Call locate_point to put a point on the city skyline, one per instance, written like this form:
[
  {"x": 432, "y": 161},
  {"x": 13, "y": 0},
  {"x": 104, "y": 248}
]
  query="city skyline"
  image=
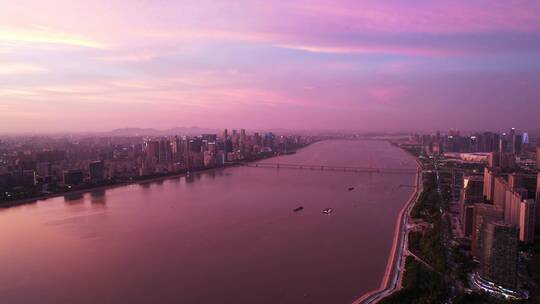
[{"x": 360, "y": 66}]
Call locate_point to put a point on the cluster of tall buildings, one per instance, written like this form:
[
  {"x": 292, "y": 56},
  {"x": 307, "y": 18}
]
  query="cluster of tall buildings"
[
  {"x": 511, "y": 142},
  {"x": 494, "y": 177},
  {"x": 29, "y": 166},
  {"x": 505, "y": 214},
  {"x": 500, "y": 208},
  {"x": 162, "y": 155}
]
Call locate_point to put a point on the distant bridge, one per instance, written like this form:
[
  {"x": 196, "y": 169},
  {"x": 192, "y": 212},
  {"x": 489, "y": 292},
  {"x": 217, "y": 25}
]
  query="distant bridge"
[{"x": 331, "y": 168}]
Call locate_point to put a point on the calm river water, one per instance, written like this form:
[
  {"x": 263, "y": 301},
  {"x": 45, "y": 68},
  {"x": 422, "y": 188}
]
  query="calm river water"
[{"x": 224, "y": 236}]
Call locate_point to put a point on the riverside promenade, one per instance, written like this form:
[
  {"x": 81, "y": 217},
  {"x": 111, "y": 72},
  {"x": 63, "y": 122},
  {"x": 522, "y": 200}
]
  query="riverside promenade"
[{"x": 396, "y": 261}]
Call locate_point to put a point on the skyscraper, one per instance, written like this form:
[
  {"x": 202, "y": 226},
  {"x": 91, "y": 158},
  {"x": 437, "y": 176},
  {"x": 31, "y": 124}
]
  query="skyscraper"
[
  {"x": 515, "y": 181},
  {"x": 489, "y": 183},
  {"x": 176, "y": 147},
  {"x": 242, "y": 139},
  {"x": 513, "y": 205},
  {"x": 499, "y": 193},
  {"x": 513, "y": 141},
  {"x": 472, "y": 193},
  {"x": 225, "y": 135},
  {"x": 494, "y": 160},
  {"x": 518, "y": 144},
  {"x": 152, "y": 150},
  {"x": 224, "y": 139},
  {"x": 73, "y": 177},
  {"x": 527, "y": 221},
  {"x": 503, "y": 144},
  {"x": 538, "y": 157},
  {"x": 482, "y": 214},
  {"x": 538, "y": 198},
  {"x": 97, "y": 171},
  {"x": 498, "y": 258}
]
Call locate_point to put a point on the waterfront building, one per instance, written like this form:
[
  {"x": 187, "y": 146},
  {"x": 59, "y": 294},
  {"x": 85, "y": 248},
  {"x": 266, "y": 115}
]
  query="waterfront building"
[
  {"x": 152, "y": 150},
  {"x": 73, "y": 177},
  {"x": 25, "y": 178},
  {"x": 235, "y": 138},
  {"x": 209, "y": 159},
  {"x": 242, "y": 139},
  {"x": 499, "y": 254},
  {"x": 165, "y": 152},
  {"x": 211, "y": 147},
  {"x": 209, "y": 137},
  {"x": 220, "y": 157},
  {"x": 44, "y": 168},
  {"x": 176, "y": 149},
  {"x": 96, "y": 170},
  {"x": 257, "y": 139},
  {"x": 225, "y": 135},
  {"x": 19, "y": 178}
]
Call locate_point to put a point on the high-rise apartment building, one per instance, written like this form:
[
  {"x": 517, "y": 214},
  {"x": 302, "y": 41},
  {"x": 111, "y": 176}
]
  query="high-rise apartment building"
[
  {"x": 482, "y": 214},
  {"x": 96, "y": 170},
  {"x": 472, "y": 193},
  {"x": 152, "y": 150},
  {"x": 527, "y": 220},
  {"x": 489, "y": 183},
  {"x": 538, "y": 198},
  {"x": 513, "y": 204},
  {"x": 499, "y": 255},
  {"x": 538, "y": 157},
  {"x": 499, "y": 192}
]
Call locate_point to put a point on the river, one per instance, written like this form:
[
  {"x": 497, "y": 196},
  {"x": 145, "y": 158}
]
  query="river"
[{"x": 221, "y": 236}]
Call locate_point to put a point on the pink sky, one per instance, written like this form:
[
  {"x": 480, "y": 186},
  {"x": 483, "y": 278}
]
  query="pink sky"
[{"x": 320, "y": 64}]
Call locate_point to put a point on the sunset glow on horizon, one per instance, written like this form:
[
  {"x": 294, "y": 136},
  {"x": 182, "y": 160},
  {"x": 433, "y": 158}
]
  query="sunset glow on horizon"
[{"x": 320, "y": 64}]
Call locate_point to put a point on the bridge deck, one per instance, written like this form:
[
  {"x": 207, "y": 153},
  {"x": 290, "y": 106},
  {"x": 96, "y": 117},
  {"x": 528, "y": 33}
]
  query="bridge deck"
[{"x": 331, "y": 168}]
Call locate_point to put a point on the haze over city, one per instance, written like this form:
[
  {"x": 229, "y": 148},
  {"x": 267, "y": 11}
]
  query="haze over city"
[{"x": 332, "y": 65}]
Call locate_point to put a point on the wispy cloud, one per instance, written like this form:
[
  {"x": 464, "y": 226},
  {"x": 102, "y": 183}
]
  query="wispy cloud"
[
  {"x": 381, "y": 49},
  {"x": 211, "y": 60},
  {"x": 41, "y": 35},
  {"x": 14, "y": 68}
]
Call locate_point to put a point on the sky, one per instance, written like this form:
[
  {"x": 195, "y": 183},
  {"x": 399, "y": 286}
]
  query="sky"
[{"x": 320, "y": 64}]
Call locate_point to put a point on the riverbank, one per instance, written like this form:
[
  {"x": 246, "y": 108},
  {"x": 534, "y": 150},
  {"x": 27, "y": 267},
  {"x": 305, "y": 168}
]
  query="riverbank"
[
  {"x": 150, "y": 179},
  {"x": 393, "y": 275},
  {"x": 105, "y": 187}
]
